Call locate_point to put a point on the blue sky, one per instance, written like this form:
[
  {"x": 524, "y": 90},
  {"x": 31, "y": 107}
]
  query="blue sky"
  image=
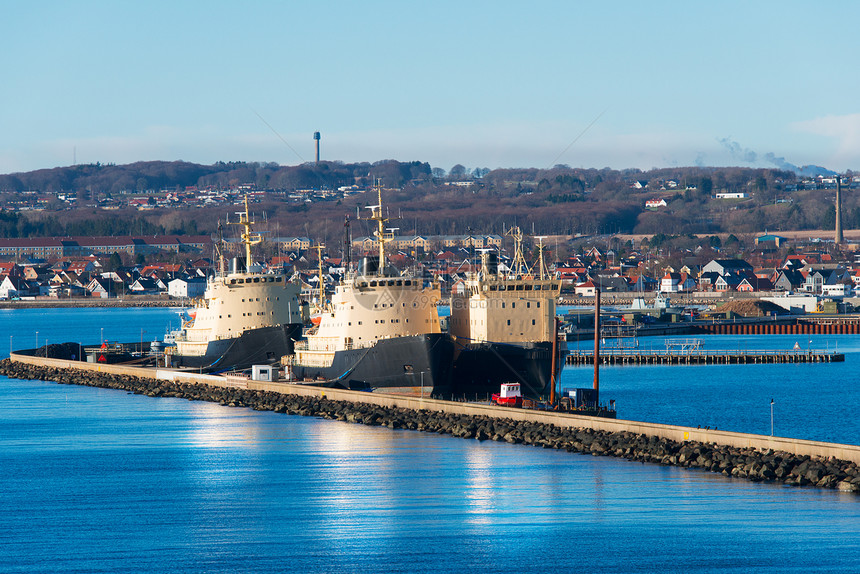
[{"x": 483, "y": 84}]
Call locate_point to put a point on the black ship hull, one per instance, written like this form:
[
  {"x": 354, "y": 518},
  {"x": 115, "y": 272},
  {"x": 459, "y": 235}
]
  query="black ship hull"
[
  {"x": 417, "y": 365},
  {"x": 480, "y": 369},
  {"x": 255, "y": 347}
]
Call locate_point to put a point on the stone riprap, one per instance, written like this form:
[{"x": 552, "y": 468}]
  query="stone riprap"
[{"x": 748, "y": 463}]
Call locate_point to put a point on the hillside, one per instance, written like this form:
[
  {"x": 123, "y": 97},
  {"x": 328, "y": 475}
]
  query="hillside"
[{"x": 559, "y": 200}]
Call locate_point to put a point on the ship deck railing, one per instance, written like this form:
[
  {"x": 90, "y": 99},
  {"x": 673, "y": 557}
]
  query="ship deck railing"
[{"x": 328, "y": 344}]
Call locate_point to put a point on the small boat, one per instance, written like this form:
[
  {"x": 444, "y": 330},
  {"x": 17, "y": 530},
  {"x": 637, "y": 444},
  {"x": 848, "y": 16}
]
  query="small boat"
[{"x": 509, "y": 395}]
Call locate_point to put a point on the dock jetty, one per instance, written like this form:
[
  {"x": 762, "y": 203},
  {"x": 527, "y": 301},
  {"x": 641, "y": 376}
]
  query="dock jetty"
[
  {"x": 700, "y": 357},
  {"x": 793, "y": 462}
]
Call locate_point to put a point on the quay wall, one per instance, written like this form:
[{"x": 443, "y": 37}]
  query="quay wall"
[{"x": 675, "y": 433}]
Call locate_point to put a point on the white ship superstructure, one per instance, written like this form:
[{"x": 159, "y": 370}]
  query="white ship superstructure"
[
  {"x": 245, "y": 317},
  {"x": 503, "y": 326},
  {"x": 380, "y": 330},
  {"x": 368, "y": 307}
]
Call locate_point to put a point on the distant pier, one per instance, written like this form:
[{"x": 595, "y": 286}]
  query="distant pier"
[
  {"x": 804, "y": 326},
  {"x": 701, "y": 357},
  {"x": 848, "y": 325}
]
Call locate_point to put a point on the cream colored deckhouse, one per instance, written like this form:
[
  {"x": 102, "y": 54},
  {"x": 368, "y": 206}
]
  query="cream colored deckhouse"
[
  {"x": 504, "y": 310},
  {"x": 380, "y": 331},
  {"x": 368, "y": 307},
  {"x": 246, "y": 316},
  {"x": 504, "y": 329},
  {"x": 238, "y": 303}
]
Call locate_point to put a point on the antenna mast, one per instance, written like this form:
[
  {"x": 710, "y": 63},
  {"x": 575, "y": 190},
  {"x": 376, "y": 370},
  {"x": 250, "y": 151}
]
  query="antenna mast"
[
  {"x": 519, "y": 265},
  {"x": 347, "y": 243},
  {"x": 321, "y": 302},
  {"x": 542, "y": 270},
  {"x": 219, "y": 249},
  {"x": 249, "y": 237},
  {"x": 381, "y": 220}
]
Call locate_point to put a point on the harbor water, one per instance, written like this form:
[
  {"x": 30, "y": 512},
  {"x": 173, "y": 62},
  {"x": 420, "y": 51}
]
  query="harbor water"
[{"x": 97, "y": 480}]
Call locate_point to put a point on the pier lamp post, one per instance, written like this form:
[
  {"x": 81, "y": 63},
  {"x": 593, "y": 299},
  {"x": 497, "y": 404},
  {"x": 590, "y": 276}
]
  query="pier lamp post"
[
  {"x": 102, "y": 341},
  {"x": 37, "y": 339},
  {"x": 10, "y": 345},
  {"x": 771, "y": 417}
]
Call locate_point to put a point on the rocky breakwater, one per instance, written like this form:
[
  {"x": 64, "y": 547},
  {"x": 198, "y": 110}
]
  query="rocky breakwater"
[{"x": 746, "y": 463}]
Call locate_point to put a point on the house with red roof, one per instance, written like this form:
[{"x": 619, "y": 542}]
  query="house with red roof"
[{"x": 586, "y": 289}]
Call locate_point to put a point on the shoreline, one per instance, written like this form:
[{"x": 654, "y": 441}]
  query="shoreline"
[{"x": 126, "y": 302}]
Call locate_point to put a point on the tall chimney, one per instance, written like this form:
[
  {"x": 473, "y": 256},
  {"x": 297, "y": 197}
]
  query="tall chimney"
[
  {"x": 317, "y": 139},
  {"x": 839, "y": 238},
  {"x": 596, "y": 345}
]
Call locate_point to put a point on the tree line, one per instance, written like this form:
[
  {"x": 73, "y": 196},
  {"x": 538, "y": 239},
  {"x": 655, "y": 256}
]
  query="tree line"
[{"x": 558, "y": 200}]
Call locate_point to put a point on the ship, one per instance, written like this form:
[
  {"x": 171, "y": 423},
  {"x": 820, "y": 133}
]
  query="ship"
[
  {"x": 379, "y": 332},
  {"x": 247, "y": 316},
  {"x": 504, "y": 329}
]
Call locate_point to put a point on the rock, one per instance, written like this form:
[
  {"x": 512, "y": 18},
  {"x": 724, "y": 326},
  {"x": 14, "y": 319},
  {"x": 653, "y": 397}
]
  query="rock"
[{"x": 846, "y": 486}]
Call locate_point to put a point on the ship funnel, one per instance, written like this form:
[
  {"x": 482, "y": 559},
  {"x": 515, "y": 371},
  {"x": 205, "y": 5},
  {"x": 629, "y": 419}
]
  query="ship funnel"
[
  {"x": 492, "y": 264},
  {"x": 368, "y": 266},
  {"x": 237, "y": 265}
]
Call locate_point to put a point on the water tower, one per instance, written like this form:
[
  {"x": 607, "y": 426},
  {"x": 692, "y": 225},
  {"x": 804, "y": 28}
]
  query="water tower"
[{"x": 317, "y": 140}]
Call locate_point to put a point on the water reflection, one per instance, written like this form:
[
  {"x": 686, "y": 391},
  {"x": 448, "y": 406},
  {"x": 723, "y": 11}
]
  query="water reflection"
[{"x": 482, "y": 492}]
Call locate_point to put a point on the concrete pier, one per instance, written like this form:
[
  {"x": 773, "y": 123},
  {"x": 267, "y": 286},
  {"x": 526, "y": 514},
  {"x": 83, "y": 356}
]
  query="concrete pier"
[{"x": 675, "y": 433}]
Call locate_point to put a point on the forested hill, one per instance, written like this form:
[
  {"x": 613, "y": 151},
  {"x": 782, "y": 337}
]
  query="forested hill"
[
  {"x": 559, "y": 200},
  {"x": 177, "y": 175}
]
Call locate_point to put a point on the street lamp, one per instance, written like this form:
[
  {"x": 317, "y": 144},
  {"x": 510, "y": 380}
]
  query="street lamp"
[
  {"x": 37, "y": 339},
  {"x": 771, "y": 417}
]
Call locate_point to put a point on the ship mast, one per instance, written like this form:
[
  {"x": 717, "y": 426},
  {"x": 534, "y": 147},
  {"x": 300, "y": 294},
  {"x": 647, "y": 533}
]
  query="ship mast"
[
  {"x": 542, "y": 270},
  {"x": 519, "y": 266},
  {"x": 249, "y": 237},
  {"x": 219, "y": 249},
  {"x": 321, "y": 301},
  {"x": 381, "y": 220}
]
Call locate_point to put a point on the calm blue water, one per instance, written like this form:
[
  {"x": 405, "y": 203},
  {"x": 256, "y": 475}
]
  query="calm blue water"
[
  {"x": 811, "y": 401},
  {"x": 94, "y": 480}
]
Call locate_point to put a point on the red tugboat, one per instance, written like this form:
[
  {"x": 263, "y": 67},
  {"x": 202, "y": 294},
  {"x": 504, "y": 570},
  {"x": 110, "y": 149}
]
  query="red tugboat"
[{"x": 509, "y": 395}]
